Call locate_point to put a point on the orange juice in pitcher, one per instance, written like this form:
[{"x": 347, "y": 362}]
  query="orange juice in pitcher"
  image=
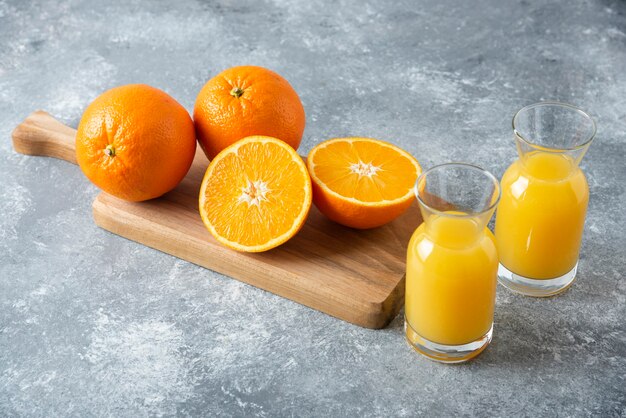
[
  {"x": 540, "y": 219},
  {"x": 452, "y": 264}
]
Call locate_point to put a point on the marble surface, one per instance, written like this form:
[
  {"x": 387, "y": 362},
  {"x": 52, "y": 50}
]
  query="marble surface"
[{"x": 93, "y": 324}]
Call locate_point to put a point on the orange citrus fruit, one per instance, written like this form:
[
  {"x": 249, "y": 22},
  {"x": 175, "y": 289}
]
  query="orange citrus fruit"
[
  {"x": 362, "y": 182},
  {"x": 255, "y": 195},
  {"x": 135, "y": 142},
  {"x": 244, "y": 101}
]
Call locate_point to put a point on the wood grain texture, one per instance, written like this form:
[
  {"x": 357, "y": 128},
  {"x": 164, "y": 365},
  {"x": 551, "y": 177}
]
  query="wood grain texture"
[
  {"x": 357, "y": 276},
  {"x": 41, "y": 134}
]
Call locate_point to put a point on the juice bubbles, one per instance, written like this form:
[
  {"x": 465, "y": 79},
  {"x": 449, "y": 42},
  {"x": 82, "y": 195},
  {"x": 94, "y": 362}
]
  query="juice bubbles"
[
  {"x": 540, "y": 220},
  {"x": 452, "y": 264},
  {"x": 451, "y": 276},
  {"x": 539, "y": 224}
]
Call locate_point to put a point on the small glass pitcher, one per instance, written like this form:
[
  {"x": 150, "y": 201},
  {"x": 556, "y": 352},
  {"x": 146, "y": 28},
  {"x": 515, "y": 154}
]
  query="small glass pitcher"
[
  {"x": 452, "y": 264},
  {"x": 540, "y": 219}
]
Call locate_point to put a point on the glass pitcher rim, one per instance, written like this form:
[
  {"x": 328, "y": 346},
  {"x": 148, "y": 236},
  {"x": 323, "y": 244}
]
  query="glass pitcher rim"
[
  {"x": 555, "y": 103},
  {"x": 464, "y": 165}
]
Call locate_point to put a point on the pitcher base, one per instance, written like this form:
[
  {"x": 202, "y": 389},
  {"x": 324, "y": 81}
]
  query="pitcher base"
[
  {"x": 446, "y": 353},
  {"x": 539, "y": 288}
]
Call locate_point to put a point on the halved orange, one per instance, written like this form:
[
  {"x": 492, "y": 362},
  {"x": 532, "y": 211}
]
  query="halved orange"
[
  {"x": 255, "y": 195},
  {"x": 362, "y": 182}
]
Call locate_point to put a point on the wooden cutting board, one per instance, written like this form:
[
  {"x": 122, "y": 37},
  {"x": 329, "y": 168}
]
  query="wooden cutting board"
[{"x": 357, "y": 276}]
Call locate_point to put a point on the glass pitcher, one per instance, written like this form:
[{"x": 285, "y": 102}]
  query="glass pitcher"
[
  {"x": 452, "y": 264},
  {"x": 539, "y": 224}
]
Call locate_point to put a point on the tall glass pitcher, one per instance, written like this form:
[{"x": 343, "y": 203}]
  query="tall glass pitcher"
[
  {"x": 539, "y": 223},
  {"x": 452, "y": 264}
]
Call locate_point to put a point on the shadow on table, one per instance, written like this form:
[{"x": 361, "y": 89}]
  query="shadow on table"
[{"x": 521, "y": 337}]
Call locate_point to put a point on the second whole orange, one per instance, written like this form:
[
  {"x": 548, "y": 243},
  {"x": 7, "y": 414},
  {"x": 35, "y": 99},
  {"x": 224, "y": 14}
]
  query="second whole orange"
[{"x": 244, "y": 101}]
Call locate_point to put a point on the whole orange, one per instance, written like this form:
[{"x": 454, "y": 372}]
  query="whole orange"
[
  {"x": 245, "y": 101},
  {"x": 135, "y": 142}
]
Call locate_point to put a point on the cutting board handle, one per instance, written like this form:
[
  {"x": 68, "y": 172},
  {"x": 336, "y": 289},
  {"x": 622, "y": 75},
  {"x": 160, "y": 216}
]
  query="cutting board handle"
[{"x": 41, "y": 134}]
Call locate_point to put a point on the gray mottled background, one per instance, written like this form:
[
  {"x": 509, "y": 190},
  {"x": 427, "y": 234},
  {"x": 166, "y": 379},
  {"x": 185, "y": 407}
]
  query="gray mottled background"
[{"x": 92, "y": 324}]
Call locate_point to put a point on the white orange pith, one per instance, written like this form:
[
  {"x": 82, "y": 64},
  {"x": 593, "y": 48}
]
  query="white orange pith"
[
  {"x": 255, "y": 194},
  {"x": 362, "y": 182}
]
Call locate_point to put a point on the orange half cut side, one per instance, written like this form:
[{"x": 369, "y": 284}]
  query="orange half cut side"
[
  {"x": 255, "y": 195},
  {"x": 362, "y": 182}
]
